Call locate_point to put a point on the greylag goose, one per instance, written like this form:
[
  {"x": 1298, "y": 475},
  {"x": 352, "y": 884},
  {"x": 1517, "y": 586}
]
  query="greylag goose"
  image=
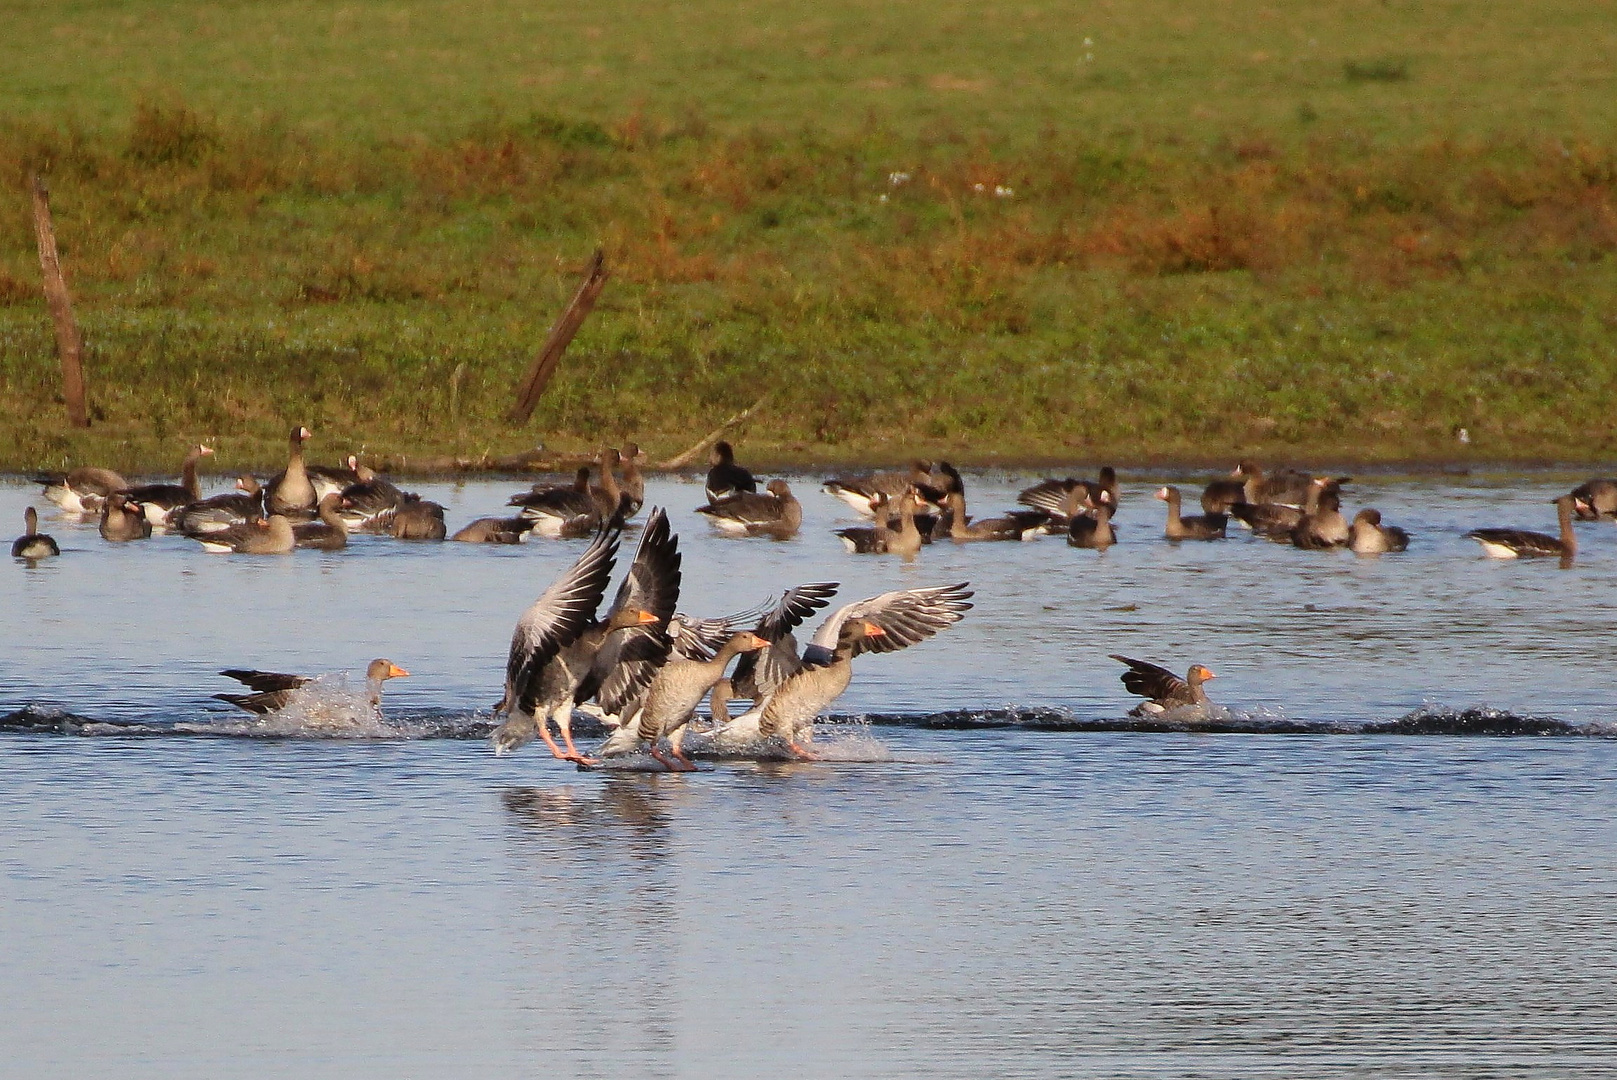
[
  {"x": 758, "y": 674},
  {"x": 82, "y": 491},
  {"x": 882, "y": 538},
  {"x": 1595, "y": 500},
  {"x": 1514, "y": 543},
  {"x": 1166, "y": 692},
  {"x": 493, "y": 530},
  {"x": 416, "y": 519},
  {"x": 160, "y": 501},
  {"x": 290, "y": 491},
  {"x": 776, "y": 512},
  {"x": 670, "y": 701},
  {"x": 1324, "y": 527},
  {"x": 222, "y": 511},
  {"x": 633, "y": 483},
  {"x": 726, "y": 478},
  {"x": 272, "y": 536},
  {"x": 1204, "y": 527},
  {"x": 1367, "y": 536},
  {"x": 560, "y": 510},
  {"x": 1065, "y": 499},
  {"x": 273, "y": 691},
  {"x": 330, "y": 533},
  {"x": 860, "y": 492},
  {"x": 1094, "y": 530},
  {"x": 556, "y": 657},
  {"x": 122, "y": 519},
  {"x": 884, "y": 623},
  {"x": 33, "y": 544}
]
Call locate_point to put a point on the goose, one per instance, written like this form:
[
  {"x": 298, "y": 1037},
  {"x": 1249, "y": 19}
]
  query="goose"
[
  {"x": 160, "y": 501},
  {"x": 608, "y": 494},
  {"x": 1065, "y": 499},
  {"x": 633, "y": 483},
  {"x": 493, "y": 530},
  {"x": 758, "y": 674},
  {"x": 560, "y": 510},
  {"x": 273, "y": 691},
  {"x": 776, "y": 512},
  {"x": 1367, "y": 536},
  {"x": 1325, "y": 527},
  {"x": 670, "y": 701},
  {"x": 1595, "y": 500},
  {"x": 33, "y": 544},
  {"x": 882, "y": 538},
  {"x": 726, "y": 478},
  {"x": 1222, "y": 496},
  {"x": 1277, "y": 520},
  {"x": 272, "y": 536},
  {"x": 123, "y": 520},
  {"x": 83, "y": 490},
  {"x": 221, "y": 511},
  {"x": 417, "y": 519},
  {"x": 330, "y": 533},
  {"x": 1164, "y": 691},
  {"x": 290, "y": 492},
  {"x": 555, "y": 658},
  {"x": 859, "y": 492},
  {"x": 1016, "y": 525},
  {"x": 1281, "y": 486},
  {"x": 884, "y": 623},
  {"x": 334, "y": 478},
  {"x": 1204, "y": 527},
  {"x": 1094, "y": 530},
  {"x": 1514, "y": 543},
  {"x": 367, "y": 502}
]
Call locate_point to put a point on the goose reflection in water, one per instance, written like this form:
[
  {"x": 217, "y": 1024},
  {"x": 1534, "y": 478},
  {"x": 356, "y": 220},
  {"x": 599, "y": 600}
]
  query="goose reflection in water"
[{"x": 599, "y": 819}]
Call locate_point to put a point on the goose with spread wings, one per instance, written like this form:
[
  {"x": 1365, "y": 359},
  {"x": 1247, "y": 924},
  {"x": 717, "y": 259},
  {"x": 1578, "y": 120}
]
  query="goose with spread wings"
[
  {"x": 884, "y": 623},
  {"x": 559, "y": 652},
  {"x": 1164, "y": 691}
]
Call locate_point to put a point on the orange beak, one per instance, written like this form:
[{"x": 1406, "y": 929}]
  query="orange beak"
[
  {"x": 396, "y": 672},
  {"x": 757, "y": 643},
  {"x": 648, "y": 617}
]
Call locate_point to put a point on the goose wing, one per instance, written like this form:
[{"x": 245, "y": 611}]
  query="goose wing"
[
  {"x": 629, "y": 660},
  {"x": 1151, "y": 681},
  {"x": 906, "y": 616},
  {"x": 558, "y": 617},
  {"x": 751, "y": 508},
  {"x": 265, "y": 681},
  {"x": 759, "y": 673}
]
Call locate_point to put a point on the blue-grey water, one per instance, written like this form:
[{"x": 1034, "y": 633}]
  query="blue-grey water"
[{"x": 986, "y": 895}]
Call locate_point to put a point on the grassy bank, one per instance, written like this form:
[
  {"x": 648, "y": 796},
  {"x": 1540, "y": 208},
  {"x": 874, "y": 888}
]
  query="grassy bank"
[{"x": 1341, "y": 256}]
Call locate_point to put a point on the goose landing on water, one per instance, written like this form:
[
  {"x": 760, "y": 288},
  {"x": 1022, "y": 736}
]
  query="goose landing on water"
[
  {"x": 273, "y": 691},
  {"x": 1165, "y": 692}
]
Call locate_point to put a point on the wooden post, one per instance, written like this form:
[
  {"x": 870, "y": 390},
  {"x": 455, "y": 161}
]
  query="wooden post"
[
  {"x": 682, "y": 460},
  {"x": 69, "y": 344},
  {"x": 556, "y": 342}
]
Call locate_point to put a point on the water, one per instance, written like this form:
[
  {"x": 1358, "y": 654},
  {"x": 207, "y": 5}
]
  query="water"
[{"x": 982, "y": 900}]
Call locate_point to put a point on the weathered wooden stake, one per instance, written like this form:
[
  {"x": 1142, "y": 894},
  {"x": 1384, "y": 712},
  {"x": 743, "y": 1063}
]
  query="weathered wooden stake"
[
  {"x": 682, "y": 460},
  {"x": 556, "y": 342},
  {"x": 69, "y": 344}
]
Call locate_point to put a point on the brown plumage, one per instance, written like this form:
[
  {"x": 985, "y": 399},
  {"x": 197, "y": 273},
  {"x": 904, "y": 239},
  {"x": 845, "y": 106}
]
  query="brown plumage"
[
  {"x": 775, "y": 512},
  {"x": 1516, "y": 543},
  {"x": 1166, "y": 691},
  {"x": 330, "y": 533},
  {"x": 1367, "y": 536},
  {"x": 123, "y": 520},
  {"x": 291, "y": 493},
  {"x": 1205, "y": 527},
  {"x": 33, "y": 544},
  {"x": 273, "y": 691},
  {"x": 493, "y": 530}
]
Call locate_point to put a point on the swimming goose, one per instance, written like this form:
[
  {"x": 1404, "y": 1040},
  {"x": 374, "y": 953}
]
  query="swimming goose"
[
  {"x": 221, "y": 511},
  {"x": 122, "y": 519},
  {"x": 776, "y": 512},
  {"x": 1281, "y": 486},
  {"x": 33, "y": 544},
  {"x": 555, "y": 657},
  {"x": 83, "y": 490},
  {"x": 1367, "y": 536},
  {"x": 859, "y": 492},
  {"x": 330, "y": 533},
  {"x": 1016, "y": 525},
  {"x": 884, "y": 623},
  {"x": 1204, "y": 527},
  {"x": 367, "y": 502},
  {"x": 726, "y": 478},
  {"x": 560, "y": 510},
  {"x": 416, "y": 519},
  {"x": 608, "y": 494},
  {"x": 670, "y": 701},
  {"x": 290, "y": 491},
  {"x": 160, "y": 501},
  {"x": 1222, "y": 496},
  {"x": 633, "y": 483},
  {"x": 334, "y": 478},
  {"x": 1513, "y": 543},
  {"x": 272, "y": 536},
  {"x": 1166, "y": 691},
  {"x": 1277, "y": 520},
  {"x": 1065, "y": 499},
  {"x": 273, "y": 691},
  {"x": 882, "y": 538},
  {"x": 493, "y": 530},
  {"x": 1094, "y": 530},
  {"x": 1595, "y": 500},
  {"x": 1325, "y": 527}
]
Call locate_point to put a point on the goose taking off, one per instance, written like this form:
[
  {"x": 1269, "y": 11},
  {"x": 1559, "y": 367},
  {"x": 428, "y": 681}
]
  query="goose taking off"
[
  {"x": 671, "y": 700},
  {"x": 33, "y": 544},
  {"x": 1517, "y": 543},
  {"x": 1166, "y": 692},
  {"x": 273, "y": 691},
  {"x": 884, "y": 623}
]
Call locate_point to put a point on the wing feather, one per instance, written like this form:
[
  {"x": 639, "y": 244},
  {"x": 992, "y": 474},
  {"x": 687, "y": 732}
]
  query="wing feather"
[
  {"x": 1151, "y": 681},
  {"x": 559, "y": 616},
  {"x": 907, "y": 616}
]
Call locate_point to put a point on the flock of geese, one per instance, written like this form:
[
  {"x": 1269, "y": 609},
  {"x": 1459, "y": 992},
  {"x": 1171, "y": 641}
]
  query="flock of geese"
[{"x": 642, "y": 667}]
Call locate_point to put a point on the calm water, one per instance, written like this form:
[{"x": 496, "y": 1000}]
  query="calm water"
[{"x": 979, "y": 902}]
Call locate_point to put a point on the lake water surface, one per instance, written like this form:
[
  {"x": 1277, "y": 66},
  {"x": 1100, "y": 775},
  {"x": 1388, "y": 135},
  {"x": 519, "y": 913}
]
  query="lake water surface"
[{"x": 1001, "y": 889}]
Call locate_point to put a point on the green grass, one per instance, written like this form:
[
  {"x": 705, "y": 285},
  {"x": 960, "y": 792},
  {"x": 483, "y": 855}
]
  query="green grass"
[{"x": 1333, "y": 231}]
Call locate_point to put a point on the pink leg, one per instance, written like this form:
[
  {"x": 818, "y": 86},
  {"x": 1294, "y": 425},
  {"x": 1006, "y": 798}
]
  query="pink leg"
[
  {"x": 564, "y": 722},
  {"x": 801, "y": 754}
]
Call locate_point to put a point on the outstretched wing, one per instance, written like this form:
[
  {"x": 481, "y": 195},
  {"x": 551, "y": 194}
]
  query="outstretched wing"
[
  {"x": 1151, "y": 681},
  {"x": 558, "y": 617},
  {"x": 265, "y": 682},
  {"x": 630, "y": 658},
  {"x": 758, "y": 673},
  {"x": 907, "y": 616}
]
